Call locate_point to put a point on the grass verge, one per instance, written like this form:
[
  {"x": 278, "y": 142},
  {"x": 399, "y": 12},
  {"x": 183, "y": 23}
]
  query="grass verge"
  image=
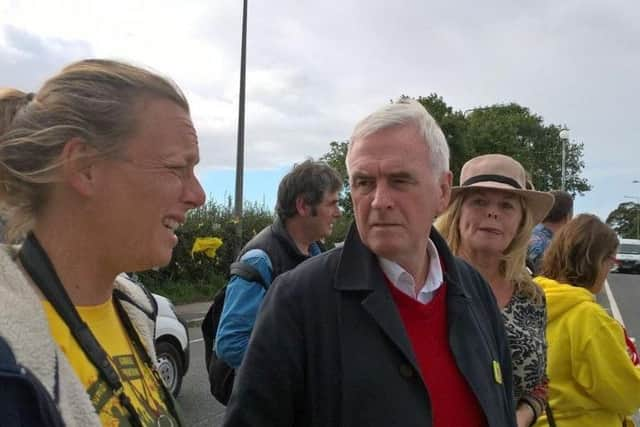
[{"x": 180, "y": 292}]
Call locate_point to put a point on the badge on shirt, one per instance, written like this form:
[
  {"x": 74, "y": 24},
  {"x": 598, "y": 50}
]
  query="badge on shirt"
[{"x": 497, "y": 373}]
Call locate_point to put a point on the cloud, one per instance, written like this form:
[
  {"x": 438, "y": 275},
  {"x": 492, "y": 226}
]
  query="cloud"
[
  {"x": 315, "y": 68},
  {"x": 27, "y": 60}
]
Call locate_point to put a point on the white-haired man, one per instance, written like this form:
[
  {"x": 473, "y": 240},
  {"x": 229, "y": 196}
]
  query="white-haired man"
[{"x": 390, "y": 329}]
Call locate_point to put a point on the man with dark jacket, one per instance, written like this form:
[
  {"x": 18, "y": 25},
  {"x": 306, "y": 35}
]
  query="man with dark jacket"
[
  {"x": 390, "y": 329},
  {"x": 307, "y": 208}
]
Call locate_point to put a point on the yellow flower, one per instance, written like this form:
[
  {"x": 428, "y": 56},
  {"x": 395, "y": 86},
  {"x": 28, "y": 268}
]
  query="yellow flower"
[{"x": 208, "y": 245}]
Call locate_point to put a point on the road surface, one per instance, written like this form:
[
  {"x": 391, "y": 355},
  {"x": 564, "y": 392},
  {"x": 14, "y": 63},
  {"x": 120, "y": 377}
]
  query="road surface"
[{"x": 201, "y": 409}]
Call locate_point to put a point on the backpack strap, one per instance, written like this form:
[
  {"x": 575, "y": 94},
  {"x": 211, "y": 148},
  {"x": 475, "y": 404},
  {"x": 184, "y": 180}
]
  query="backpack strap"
[
  {"x": 36, "y": 262},
  {"x": 211, "y": 319},
  {"x": 247, "y": 272},
  {"x": 550, "y": 418}
]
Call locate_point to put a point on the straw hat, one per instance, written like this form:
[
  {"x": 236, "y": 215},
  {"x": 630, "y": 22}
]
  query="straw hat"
[{"x": 499, "y": 172}]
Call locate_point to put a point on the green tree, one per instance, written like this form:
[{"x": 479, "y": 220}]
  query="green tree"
[
  {"x": 453, "y": 125},
  {"x": 513, "y": 130},
  {"x": 336, "y": 159},
  {"x": 509, "y": 129},
  {"x": 624, "y": 220}
]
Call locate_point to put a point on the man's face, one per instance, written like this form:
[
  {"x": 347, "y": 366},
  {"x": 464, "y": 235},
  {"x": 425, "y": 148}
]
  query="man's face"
[
  {"x": 395, "y": 192},
  {"x": 322, "y": 216}
]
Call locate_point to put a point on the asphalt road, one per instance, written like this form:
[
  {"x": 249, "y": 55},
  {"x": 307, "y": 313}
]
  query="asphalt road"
[
  {"x": 625, "y": 289},
  {"x": 198, "y": 406},
  {"x": 626, "y": 293},
  {"x": 201, "y": 409}
]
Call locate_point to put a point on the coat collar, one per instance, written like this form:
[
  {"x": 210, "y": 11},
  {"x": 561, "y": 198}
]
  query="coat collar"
[
  {"x": 358, "y": 268},
  {"x": 280, "y": 232},
  {"x": 358, "y": 271}
]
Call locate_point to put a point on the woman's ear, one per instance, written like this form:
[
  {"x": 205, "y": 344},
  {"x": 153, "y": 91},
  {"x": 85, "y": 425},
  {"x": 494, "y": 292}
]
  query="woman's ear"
[{"x": 78, "y": 159}]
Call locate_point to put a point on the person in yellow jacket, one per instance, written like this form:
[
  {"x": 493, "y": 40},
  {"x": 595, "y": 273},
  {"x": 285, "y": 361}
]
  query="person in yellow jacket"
[{"x": 593, "y": 380}]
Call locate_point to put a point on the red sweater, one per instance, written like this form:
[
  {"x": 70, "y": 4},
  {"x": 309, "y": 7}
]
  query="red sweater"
[{"x": 452, "y": 401}]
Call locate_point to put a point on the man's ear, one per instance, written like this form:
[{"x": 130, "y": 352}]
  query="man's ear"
[
  {"x": 302, "y": 207},
  {"x": 78, "y": 159},
  {"x": 445, "y": 182}
]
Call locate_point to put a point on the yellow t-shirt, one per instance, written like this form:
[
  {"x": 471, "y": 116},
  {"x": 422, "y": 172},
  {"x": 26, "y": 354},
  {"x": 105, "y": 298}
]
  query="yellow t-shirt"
[{"x": 139, "y": 382}]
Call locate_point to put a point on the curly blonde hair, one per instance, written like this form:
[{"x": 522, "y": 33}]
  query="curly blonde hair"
[{"x": 513, "y": 263}]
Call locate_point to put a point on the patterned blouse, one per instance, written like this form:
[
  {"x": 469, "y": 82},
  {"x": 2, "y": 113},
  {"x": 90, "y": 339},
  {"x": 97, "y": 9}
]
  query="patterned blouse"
[{"x": 526, "y": 323}]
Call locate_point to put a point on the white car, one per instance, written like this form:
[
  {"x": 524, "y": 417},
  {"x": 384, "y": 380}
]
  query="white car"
[
  {"x": 172, "y": 345},
  {"x": 628, "y": 256}
]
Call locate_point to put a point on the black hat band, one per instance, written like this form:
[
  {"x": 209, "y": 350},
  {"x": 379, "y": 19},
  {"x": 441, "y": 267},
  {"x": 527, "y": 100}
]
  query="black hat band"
[{"x": 495, "y": 178}]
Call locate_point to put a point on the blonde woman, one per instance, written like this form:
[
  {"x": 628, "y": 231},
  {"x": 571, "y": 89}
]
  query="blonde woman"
[
  {"x": 96, "y": 173},
  {"x": 488, "y": 224}
]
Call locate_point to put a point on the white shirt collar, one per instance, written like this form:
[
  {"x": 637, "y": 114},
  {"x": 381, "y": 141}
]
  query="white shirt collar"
[{"x": 405, "y": 283}]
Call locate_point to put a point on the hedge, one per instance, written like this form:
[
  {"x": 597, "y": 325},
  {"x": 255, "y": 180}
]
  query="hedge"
[
  {"x": 191, "y": 278},
  {"x": 202, "y": 274}
]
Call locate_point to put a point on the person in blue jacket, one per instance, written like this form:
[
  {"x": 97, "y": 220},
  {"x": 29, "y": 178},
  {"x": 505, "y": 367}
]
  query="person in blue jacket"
[
  {"x": 307, "y": 208},
  {"x": 559, "y": 215}
]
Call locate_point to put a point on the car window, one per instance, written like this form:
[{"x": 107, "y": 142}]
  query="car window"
[{"x": 626, "y": 248}]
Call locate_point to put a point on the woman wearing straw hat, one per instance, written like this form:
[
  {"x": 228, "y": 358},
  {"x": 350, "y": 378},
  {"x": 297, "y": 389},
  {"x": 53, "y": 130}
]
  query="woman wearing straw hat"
[{"x": 488, "y": 223}]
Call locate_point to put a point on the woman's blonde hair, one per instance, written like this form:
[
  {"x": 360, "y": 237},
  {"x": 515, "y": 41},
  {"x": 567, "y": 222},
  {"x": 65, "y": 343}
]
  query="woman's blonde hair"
[
  {"x": 98, "y": 101},
  {"x": 513, "y": 263},
  {"x": 577, "y": 252},
  {"x": 12, "y": 100}
]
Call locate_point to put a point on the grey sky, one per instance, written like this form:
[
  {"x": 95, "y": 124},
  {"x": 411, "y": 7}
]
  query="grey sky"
[{"x": 314, "y": 68}]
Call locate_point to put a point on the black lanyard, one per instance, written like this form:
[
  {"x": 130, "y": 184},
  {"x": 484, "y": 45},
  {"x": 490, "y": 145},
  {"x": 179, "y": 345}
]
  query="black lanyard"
[{"x": 37, "y": 264}]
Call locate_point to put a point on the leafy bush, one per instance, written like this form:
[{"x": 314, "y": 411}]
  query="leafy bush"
[
  {"x": 195, "y": 278},
  {"x": 196, "y": 274}
]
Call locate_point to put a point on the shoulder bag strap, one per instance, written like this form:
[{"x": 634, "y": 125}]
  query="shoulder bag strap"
[
  {"x": 37, "y": 264},
  {"x": 550, "y": 419},
  {"x": 247, "y": 272}
]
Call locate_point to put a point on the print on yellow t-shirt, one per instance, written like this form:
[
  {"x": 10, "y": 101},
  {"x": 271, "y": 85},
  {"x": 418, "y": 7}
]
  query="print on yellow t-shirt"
[{"x": 138, "y": 380}]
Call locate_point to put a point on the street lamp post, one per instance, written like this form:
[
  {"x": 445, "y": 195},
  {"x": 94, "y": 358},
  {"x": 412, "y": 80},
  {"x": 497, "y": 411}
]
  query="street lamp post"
[
  {"x": 240, "y": 150},
  {"x": 564, "y": 137}
]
